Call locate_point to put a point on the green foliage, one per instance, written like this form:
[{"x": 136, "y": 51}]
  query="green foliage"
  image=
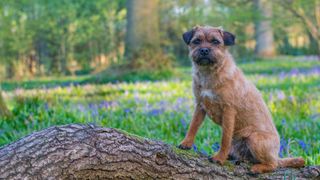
[
  {"x": 4, "y": 112},
  {"x": 129, "y": 76},
  {"x": 162, "y": 110},
  {"x": 50, "y": 35},
  {"x": 62, "y": 37}
]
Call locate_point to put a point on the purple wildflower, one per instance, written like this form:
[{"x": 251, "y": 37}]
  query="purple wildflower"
[
  {"x": 281, "y": 95},
  {"x": 94, "y": 110},
  {"x": 315, "y": 117},
  {"x": 202, "y": 151},
  {"x": 94, "y": 113},
  {"x": 184, "y": 124},
  {"x": 270, "y": 97},
  {"x": 81, "y": 108},
  {"x": 315, "y": 70},
  {"x": 282, "y": 75},
  {"x": 215, "y": 147},
  {"x": 155, "y": 112},
  {"x": 283, "y": 147},
  {"x": 294, "y": 72},
  {"x": 291, "y": 98},
  {"x": 194, "y": 147},
  {"x": 303, "y": 145},
  {"x": 283, "y": 122},
  {"x": 105, "y": 104},
  {"x": 127, "y": 110}
]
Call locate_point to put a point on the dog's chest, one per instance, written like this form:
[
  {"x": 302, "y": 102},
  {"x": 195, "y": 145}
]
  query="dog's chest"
[
  {"x": 209, "y": 95},
  {"x": 211, "y": 103}
]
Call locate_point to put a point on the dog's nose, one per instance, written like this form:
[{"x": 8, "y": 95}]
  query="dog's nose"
[{"x": 204, "y": 51}]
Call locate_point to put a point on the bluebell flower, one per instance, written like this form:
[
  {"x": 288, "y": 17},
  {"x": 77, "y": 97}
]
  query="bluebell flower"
[
  {"x": 296, "y": 126},
  {"x": 155, "y": 112},
  {"x": 215, "y": 147},
  {"x": 184, "y": 124},
  {"x": 91, "y": 106},
  {"x": 315, "y": 70},
  {"x": 303, "y": 145},
  {"x": 283, "y": 147},
  {"x": 94, "y": 113},
  {"x": 315, "y": 117},
  {"x": 105, "y": 104},
  {"x": 270, "y": 97},
  {"x": 81, "y": 108},
  {"x": 291, "y": 98},
  {"x": 294, "y": 72},
  {"x": 194, "y": 147},
  {"x": 202, "y": 151},
  {"x": 281, "y": 95},
  {"x": 281, "y": 151},
  {"x": 282, "y": 75},
  {"x": 127, "y": 110}
]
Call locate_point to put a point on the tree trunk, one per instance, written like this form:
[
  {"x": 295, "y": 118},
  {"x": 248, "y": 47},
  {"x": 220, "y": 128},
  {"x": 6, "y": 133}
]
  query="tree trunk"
[
  {"x": 3, "y": 108},
  {"x": 142, "y": 36},
  {"x": 310, "y": 20},
  {"x": 90, "y": 152},
  {"x": 263, "y": 29}
]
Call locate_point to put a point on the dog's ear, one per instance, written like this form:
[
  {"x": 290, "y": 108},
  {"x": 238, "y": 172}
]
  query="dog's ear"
[
  {"x": 187, "y": 36},
  {"x": 228, "y": 38}
]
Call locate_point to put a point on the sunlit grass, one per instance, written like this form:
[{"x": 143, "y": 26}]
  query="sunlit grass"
[{"x": 162, "y": 110}]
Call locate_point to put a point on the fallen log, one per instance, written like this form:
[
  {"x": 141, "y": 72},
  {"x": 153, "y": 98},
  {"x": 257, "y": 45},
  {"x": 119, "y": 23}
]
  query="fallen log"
[{"x": 90, "y": 152}]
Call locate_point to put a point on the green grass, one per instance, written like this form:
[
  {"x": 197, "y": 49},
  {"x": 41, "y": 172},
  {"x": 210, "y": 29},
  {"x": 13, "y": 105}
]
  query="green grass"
[{"x": 162, "y": 109}]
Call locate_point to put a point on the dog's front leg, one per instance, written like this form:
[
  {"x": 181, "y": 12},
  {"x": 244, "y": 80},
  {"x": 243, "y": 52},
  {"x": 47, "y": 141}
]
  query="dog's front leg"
[
  {"x": 228, "y": 121},
  {"x": 197, "y": 119}
]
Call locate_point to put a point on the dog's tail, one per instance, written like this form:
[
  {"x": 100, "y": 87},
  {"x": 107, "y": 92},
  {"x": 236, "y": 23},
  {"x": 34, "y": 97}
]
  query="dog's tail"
[{"x": 291, "y": 162}]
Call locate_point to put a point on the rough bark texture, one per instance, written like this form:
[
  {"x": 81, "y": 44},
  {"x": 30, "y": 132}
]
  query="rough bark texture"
[
  {"x": 263, "y": 29},
  {"x": 142, "y": 26},
  {"x": 90, "y": 152}
]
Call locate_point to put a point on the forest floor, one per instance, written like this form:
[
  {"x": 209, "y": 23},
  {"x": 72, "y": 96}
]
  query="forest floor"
[{"x": 162, "y": 109}]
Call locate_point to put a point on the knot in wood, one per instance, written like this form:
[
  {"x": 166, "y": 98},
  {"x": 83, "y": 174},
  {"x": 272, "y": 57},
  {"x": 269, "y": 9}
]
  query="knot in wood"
[{"x": 160, "y": 158}]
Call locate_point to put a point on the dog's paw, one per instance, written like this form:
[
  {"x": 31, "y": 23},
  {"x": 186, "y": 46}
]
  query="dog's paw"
[
  {"x": 183, "y": 147},
  {"x": 217, "y": 159},
  {"x": 255, "y": 170}
]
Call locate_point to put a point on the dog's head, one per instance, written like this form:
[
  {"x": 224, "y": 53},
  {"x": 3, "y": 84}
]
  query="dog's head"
[{"x": 207, "y": 45}]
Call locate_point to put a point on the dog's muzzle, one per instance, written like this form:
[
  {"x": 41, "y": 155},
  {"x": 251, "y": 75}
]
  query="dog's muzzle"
[{"x": 204, "y": 61}]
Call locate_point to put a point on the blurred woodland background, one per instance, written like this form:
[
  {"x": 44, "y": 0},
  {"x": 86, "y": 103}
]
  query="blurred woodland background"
[
  {"x": 75, "y": 37},
  {"x": 123, "y": 64}
]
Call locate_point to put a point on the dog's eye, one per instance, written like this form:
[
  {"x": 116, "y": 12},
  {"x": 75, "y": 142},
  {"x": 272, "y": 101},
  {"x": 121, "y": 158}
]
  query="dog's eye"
[
  {"x": 196, "y": 41},
  {"x": 215, "y": 41}
]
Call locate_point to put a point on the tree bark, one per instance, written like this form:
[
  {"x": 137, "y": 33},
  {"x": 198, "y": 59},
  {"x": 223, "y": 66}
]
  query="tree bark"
[
  {"x": 142, "y": 25},
  {"x": 263, "y": 29},
  {"x": 311, "y": 21},
  {"x": 91, "y": 152}
]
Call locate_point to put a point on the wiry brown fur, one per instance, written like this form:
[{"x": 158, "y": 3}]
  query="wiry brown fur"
[{"x": 224, "y": 94}]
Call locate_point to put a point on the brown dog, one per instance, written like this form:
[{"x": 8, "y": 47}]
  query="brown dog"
[{"x": 223, "y": 93}]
